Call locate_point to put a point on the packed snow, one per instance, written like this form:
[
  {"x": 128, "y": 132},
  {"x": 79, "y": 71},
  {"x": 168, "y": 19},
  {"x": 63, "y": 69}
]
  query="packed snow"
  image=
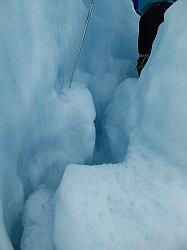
[
  {"x": 102, "y": 165},
  {"x": 139, "y": 204}
]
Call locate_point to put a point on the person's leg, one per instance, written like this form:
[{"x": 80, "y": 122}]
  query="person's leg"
[{"x": 148, "y": 27}]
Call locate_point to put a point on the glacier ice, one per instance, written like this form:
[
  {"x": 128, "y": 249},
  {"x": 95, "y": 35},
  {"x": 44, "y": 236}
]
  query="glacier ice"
[
  {"x": 164, "y": 94},
  {"x": 68, "y": 135},
  {"x": 38, "y": 221},
  {"x": 42, "y": 130},
  {"x": 137, "y": 204},
  {"x": 140, "y": 203}
]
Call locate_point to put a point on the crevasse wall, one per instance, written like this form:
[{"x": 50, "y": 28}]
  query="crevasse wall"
[
  {"x": 164, "y": 89},
  {"x": 42, "y": 126},
  {"x": 36, "y": 122}
]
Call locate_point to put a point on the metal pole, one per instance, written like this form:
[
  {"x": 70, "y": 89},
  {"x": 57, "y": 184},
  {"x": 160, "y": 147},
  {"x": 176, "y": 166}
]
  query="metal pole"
[{"x": 82, "y": 41}]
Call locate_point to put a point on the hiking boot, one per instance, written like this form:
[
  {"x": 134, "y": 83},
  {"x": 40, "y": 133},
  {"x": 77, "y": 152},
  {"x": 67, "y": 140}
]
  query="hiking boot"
[{"x": 141, "y": 63}]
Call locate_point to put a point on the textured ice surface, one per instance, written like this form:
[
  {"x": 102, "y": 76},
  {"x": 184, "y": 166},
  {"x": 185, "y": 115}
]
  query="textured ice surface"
[
  {"x": 158, "y": 97},
  {"x": 44, "y": 126},
  {"x": 139, "y": 204},
  {"x": 68, "y": 137},
  {"x": 120, "y": 118},
  {"x": 164, "y": 88},
  {"x": 38, "y": 222},
  {"x": 142, "y": 202},
  {"x": 110, "y": 50}
]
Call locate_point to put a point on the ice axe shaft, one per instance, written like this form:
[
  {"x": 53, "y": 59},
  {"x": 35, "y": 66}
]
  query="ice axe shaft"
[{"x": 82, "y": 41}]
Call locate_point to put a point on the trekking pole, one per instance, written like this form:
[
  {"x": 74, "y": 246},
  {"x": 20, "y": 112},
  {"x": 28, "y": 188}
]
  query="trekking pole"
[{"x": 82, "y": 41}]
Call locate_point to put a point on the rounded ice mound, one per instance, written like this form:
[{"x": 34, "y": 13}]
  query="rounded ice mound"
[
  {"x": 68, "y": 137},
  {"x": 38, "y": 222}
]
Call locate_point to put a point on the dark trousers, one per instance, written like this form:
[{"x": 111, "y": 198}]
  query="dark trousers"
[{"x": 148, "y": 26}]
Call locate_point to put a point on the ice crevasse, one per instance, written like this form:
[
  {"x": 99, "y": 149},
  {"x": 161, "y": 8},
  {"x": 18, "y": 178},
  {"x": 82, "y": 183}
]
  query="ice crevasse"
[{"x": 140, "y": 203}]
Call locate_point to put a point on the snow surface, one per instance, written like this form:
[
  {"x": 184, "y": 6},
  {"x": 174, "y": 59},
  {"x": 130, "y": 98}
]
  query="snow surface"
[
  {"x": 139, "y": 204},
  {"x": 105, "y": 118}
]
